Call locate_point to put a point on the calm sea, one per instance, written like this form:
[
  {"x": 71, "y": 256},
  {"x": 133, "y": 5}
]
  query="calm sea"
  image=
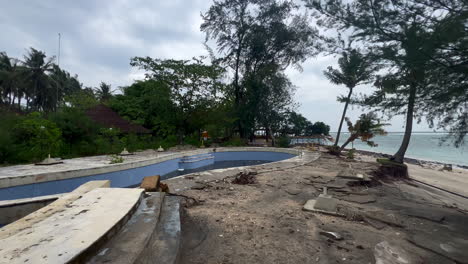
[{"x": 425, "y": 146}]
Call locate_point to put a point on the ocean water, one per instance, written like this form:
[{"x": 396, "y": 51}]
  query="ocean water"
[{"x": 424, "y": 146}]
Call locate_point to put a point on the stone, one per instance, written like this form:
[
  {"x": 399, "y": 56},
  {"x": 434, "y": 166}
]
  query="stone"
[
  {"x": 385, "y": 217},
  {"x": 326, "y": 203},
  {"x": 386, "y": 253},
  {"x": 374, "y": 223},
  {"x": 49, "y": 161},
  {"x": 310, "y": 206},
  {"x": 361, "y": 199},
  {"x": 198, "y": 186},
  {"x": 125, "y": 152},
  {"x": 424, "y": 213},
  {"x": 443, "y": 243},
  {"x": 150, "y": 183},
  {"x": 332, "y": 235},
  {"x": 293, "y": 191}
]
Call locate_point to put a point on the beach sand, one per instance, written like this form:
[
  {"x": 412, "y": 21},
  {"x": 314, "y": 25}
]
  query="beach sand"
[{"x": 265, "y": 222}]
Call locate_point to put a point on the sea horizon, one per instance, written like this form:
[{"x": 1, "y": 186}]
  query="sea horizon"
[{"x": 423, "y": 146}]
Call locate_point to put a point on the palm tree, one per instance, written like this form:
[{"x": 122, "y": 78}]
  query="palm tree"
[
  {"x": 9, "y": 80},
  {"x": 355, "y": 69},
  {"x": 365, "y": 128},
  {"x": 41, "y": 92},
  {"x": 104, "y": 92}
]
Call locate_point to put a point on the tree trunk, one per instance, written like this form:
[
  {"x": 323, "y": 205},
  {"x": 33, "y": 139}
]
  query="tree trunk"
[
  {"x": 19, "y": 102},
  {"x": 350, "y": 139},
  {"x": 400, "y": 154},
  {"x": 343, "y": 116},
  {"x": 272, "y": 136}
]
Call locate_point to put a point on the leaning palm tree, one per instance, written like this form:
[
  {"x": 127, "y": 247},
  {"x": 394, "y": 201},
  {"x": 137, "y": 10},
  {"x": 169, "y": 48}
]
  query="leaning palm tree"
[
  {"x": 365, "y": 128},
  {"x": 354, "y": 69},
  {"x": 41, "y": 93}
]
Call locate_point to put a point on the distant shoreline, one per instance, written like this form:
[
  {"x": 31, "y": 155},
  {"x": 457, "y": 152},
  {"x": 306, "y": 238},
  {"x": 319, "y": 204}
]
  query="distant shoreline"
[{"x": 409, "y": 160}]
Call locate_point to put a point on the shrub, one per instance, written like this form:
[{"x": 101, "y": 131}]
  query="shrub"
[
  {"x": 283, "y": 142},
  {"x": 234, "y": 142},
  {"x": 36, "y": 138},
  {"x": 116, "y": 159},
  {"x": 350, "y": 154}
]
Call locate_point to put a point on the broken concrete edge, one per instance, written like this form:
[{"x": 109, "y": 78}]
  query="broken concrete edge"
[
  {"x": 94, "y": 249},
  {"x": 164, "y": 245},
  {"x": 52, "y": 208},
  {"x": 447, "y": 256},
  {"x": 22, "y": 201},
  {"x": 128, "y": 240},
  {"x": 309, "y": 206},
  {"x": 150, "y": 183}
]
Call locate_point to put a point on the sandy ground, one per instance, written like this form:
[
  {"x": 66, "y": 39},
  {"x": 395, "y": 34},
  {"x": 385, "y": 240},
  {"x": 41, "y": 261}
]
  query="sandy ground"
[
  {"x": 404, "y": 221},
  {"x": 433, "y": 174}
]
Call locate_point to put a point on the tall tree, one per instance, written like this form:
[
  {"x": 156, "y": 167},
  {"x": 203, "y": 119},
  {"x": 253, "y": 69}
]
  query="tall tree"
[
  {"x": 354, "y": 69},
  {"x": 193, "y": 86},
  {"x": 406, "y": 37},
  {"x": 251, "y": 35},
  {"x": 10, "y": 81},
  {"x": 41, "y": 94}
]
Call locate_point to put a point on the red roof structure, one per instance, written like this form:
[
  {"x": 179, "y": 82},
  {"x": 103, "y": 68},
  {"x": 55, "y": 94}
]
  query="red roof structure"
[{"x": 106, "y": 117}]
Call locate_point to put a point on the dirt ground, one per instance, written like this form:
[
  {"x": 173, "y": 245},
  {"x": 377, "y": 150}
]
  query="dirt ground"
[{"x": 382, "y": 221}]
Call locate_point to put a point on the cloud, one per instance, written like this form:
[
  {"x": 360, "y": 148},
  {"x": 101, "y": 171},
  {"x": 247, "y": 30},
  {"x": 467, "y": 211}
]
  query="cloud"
[{"x": 100, "y": 37}]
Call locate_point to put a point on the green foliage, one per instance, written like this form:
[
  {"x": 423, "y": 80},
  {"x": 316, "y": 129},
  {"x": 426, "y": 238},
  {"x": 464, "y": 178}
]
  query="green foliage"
[
  {"x": 116, "y": 159},
  {"x": 366, "y": 127},
  {"x": 36, "y": 137},
  {"x": 421, "y": 45},
  {"x": 283, "y": 141},
  {"x": 104, "y": 92},
  {"x": 190, "y": 89},
  {"x": 234, "y": 142},
  {"x": 82, "y": 99},
  {"x": 351, "y": 153},
  {"x": 258, "y": 40},
  {"x": 319, "y": 128},
  {"x": 147, "y": 103}
]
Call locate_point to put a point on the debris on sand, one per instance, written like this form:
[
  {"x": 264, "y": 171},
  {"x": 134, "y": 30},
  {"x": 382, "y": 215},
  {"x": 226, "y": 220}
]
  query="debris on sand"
[
  {"x": 246, "y": 177},
  {"x": 333, "y": 235},
  {"x": 385, "y": 252}
]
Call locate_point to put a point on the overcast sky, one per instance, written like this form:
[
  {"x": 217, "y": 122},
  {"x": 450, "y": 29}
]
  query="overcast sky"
[{"x": 100, "y": 37}]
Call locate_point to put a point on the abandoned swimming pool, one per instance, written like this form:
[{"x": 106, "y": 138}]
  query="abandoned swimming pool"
[{"x": 132, "y": 174}]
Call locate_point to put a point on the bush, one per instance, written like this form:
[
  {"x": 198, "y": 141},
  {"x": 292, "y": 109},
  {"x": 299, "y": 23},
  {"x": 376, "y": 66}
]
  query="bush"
[
  {"x": 234, "y": 142},
  {"x": 283, "y": 142},
  {"x": 350, "y": 154},
  {"x": 116, "y": 159},
  {"x": 36, "y": 138}
]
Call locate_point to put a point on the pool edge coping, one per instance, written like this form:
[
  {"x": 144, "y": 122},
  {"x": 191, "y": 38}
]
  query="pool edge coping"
[{"x": 12, "y": 181}]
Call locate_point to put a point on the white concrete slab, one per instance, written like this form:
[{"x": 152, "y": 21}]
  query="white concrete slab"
[{"x": 67, "y": 233}]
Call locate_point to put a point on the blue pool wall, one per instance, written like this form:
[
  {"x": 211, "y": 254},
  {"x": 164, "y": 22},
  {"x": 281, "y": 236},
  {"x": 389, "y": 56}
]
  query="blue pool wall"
[{"x": 134, "y": 176}]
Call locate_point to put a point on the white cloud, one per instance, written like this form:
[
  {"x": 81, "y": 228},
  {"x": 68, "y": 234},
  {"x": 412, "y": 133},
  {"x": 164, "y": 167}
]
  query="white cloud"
[{"x": 100, "y": 37}]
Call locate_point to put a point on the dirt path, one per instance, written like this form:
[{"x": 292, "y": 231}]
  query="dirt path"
[{"x": 264, "y": 222}]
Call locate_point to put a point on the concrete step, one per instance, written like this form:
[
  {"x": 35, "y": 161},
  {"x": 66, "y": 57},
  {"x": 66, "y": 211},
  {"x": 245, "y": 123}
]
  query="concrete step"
[
  {"x": 196, "y": 158},
  {"x": 164, "y": 245},
  {"x": 127, "y": 245}
]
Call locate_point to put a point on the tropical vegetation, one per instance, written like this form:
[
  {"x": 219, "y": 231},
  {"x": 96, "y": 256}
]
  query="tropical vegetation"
[{"x": 413, "y": 53}]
